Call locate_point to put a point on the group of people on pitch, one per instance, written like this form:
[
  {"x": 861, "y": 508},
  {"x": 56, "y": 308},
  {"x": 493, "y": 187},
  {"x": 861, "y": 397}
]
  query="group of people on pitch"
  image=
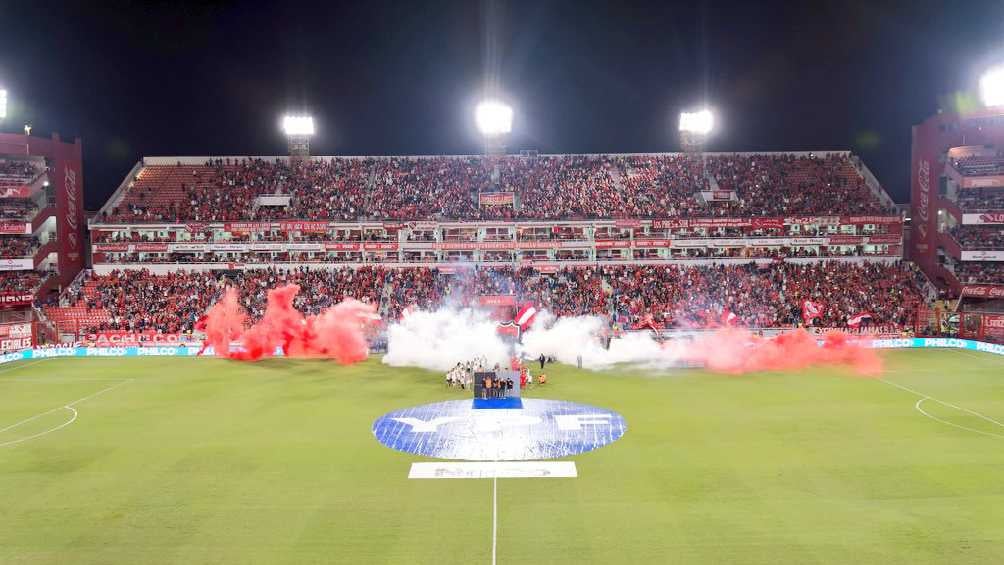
[
  {"x": 496, "y": 387},
  {"x": 462, "y": 374}
]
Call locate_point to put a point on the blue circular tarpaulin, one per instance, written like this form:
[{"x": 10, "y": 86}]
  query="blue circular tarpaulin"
[{"x": 542, "y": 429}]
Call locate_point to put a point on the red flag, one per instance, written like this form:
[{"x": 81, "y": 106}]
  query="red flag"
[
  {"x": 525, "y": 316},
  {"x": 729, "y": 317},
  {"x": 855, "y": 320},
  {"x": 507, "y": 328},
  {"x": 811, "y": 310}
]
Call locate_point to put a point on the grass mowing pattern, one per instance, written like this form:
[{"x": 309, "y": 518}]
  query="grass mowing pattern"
[{"x": 209, "y": 461}]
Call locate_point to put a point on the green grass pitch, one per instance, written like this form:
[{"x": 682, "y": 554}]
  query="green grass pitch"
[{"x": 177, "y": 460}]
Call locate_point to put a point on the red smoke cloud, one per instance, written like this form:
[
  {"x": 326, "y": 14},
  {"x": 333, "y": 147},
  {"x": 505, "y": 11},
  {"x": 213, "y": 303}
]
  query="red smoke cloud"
[
  {"x": 737, "y": 351},
  {"x": 337, "y": 333}
]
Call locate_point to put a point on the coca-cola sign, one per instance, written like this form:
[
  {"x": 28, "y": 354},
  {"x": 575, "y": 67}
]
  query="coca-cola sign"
[
  {"x": 72, "y": 211},
  {"x": 923, "y": 205},
  {"x": 983, "y": 291}
]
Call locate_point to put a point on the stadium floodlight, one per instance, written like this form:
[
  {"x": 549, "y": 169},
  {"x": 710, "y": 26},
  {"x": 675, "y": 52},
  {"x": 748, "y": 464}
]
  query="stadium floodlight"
[
  {"x": 298, "y": 125},
  {"x": 493, "y": 118},
  {"x": 700, "y": 122},
  {"x": 992, "y": 87},
  {"x": 3, "y": 103}
]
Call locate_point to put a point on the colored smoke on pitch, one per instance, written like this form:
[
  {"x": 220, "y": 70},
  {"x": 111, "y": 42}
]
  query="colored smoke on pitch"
[
  {"x": 737, "y": 351},
  {"x": 337, "y": 333},
  {"x": 439, "y": 340}
]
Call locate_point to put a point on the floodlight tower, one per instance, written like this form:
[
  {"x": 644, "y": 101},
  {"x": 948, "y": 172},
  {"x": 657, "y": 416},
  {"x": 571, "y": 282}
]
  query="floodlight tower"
[
  {"x": 992, "y": 87},
  {"x": 494, "y": 120},
  {"x": 695, "y": 128},
  {"x": 298, "y": 130}
]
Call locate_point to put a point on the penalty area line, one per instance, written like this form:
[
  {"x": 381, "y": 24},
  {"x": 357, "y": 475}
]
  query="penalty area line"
[
  {"x": 69, "y": 406},
  {"x": 924, "y": 397}
]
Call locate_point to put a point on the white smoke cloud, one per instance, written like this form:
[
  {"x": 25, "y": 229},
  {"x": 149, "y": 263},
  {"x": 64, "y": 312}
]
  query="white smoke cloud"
[
  {"x": 439, "y": 340},
  {"x": 568, "y": 339}
]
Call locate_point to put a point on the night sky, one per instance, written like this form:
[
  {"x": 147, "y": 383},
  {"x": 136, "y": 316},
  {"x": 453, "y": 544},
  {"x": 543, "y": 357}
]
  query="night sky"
[{"x": 169, "y": 78}]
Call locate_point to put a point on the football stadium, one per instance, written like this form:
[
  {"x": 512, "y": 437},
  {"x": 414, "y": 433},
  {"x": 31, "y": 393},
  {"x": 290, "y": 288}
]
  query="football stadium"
[{"x": 508, "y": 354}]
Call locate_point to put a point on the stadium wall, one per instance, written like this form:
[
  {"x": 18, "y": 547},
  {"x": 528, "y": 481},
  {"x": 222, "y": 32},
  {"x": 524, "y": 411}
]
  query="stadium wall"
[{"x": 165, "y": 268}]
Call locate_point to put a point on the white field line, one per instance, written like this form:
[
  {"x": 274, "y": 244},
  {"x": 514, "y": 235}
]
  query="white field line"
[
  {"x": 924, "y": 397},
  {"x": 495, "y": 509},
  {"x": 49, "y": 431},
  {"x": 21, "y": 365},
  {"x": 58, "y": 380},
  {"x": 69, "y": 406}
]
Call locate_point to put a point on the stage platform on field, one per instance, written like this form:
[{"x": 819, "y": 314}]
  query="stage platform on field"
[{"x": 511, "y": 403}]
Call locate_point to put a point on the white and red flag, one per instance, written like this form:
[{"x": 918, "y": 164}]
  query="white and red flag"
[
  {"x": 525, "y": 316},
  {"x": 729, "y": 317},
  {"x": 811, "y": 310},
  {"x": 856, "y": 320}
]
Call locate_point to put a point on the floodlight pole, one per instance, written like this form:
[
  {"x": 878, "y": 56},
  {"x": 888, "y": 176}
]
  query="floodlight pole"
[
  {"x": 298, "y": 130},
  {"x": 299, "y": 147},
  {"x": 495, "y": 144},
  {"x": 694, "y": 143},
  {"x": 694, "y": 135}
]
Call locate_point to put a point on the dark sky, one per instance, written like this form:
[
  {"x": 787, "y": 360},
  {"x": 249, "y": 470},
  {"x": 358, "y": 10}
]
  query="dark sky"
[{"x": 402, "y": 77}]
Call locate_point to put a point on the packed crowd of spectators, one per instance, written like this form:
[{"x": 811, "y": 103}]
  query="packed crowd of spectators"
[
  {"x": 981, "y": 199},
  {"x": 17, "y": 168},
  {"x": 545, "y": 187},
  {"x": 684, "y": 296},
  {"x": 20, "y": 281},
  {"x": 17, "y": 209},
  {"x": 15, "y": 172},
  {"x": 987, "y": 272},
  {"x": 17, "y": 246},
  {"x": 980, "y": 165},
  {"x": 140, "y": 301},
  {"x": 776, "y": 185},
  {"x": 978, "y": 237}
]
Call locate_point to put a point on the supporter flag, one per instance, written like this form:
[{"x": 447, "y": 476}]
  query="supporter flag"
[
  {"x": 525, "y": 316},
  {"x": 408, "y": 311},
  {"x": 648, "y": 322},
  {"x": 508, "y": 328},
  {"x": 856, "y": 320},
  {"x": 729, "y": 317},
  {"x": 811, "y": 310}
]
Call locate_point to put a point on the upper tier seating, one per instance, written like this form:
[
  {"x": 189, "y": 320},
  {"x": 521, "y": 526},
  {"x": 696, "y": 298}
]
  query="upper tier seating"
[{"x": 546, "y": 187}]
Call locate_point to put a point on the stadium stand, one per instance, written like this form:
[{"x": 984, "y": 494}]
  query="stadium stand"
[
  {"x": 979, "y": 237},
  {"x": 11, "y": 281},
  {"x": 17, "y": 208},
  {"x": 985, "y": 272},
  {"x": 981, "y": 199},
  {"x": 17, "y": 246},
  {"x": 980, "y": 165},
  {"x": 768, "y": 295},
  {"x": 544, "y": 188}
]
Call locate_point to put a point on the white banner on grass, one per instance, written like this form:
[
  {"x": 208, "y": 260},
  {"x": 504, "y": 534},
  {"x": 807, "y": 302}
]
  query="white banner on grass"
[{"x": 494, "y": 469}]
